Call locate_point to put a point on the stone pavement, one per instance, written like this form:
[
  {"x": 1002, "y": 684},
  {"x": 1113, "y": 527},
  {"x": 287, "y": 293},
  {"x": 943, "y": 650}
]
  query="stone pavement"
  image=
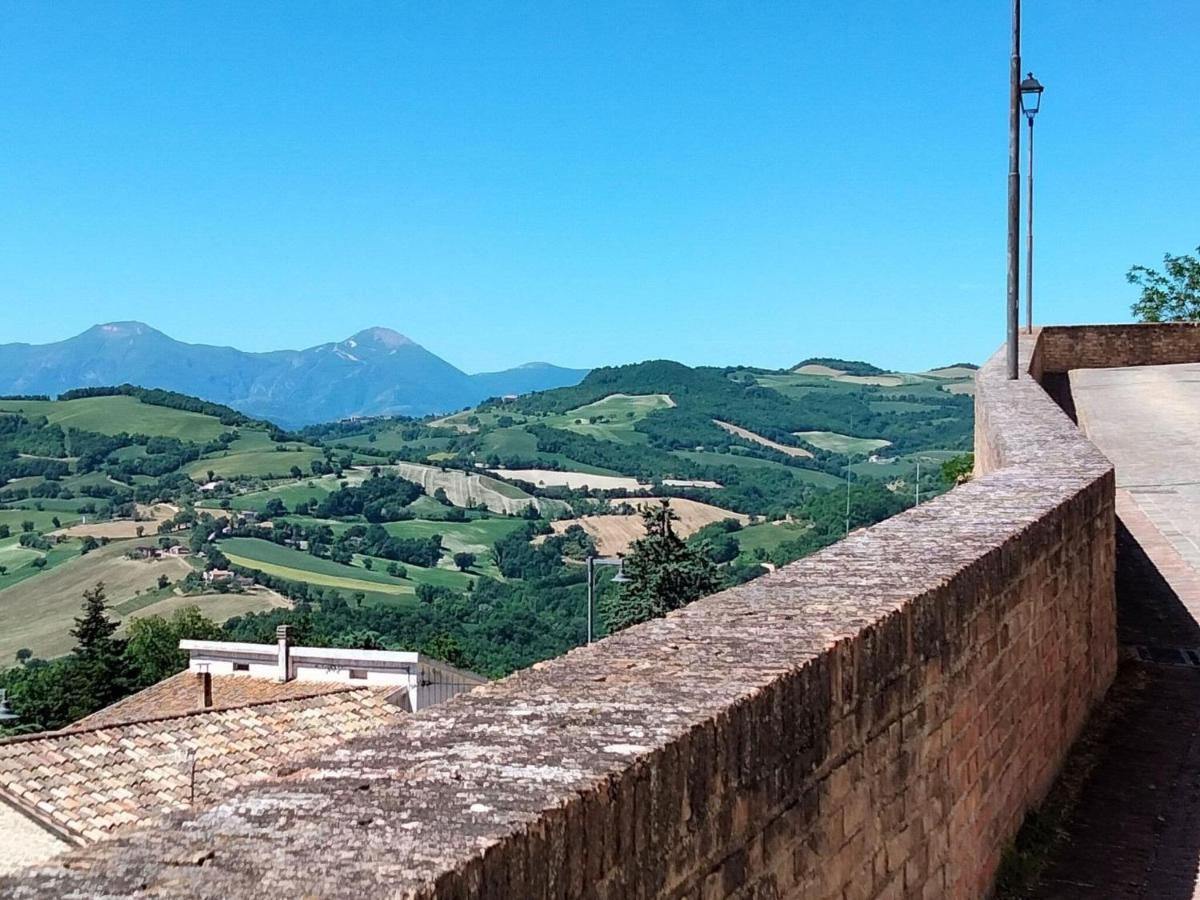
[{"x": 1135, "y": 832}]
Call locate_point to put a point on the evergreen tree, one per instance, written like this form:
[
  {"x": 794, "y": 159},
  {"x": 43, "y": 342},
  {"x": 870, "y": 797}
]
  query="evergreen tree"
[
  {"x": 664, "y": 572},
  {"x": 98, "y": 675}
]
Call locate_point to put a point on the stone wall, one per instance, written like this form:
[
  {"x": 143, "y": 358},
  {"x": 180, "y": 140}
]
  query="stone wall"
[{"x": 872, "y": 721}]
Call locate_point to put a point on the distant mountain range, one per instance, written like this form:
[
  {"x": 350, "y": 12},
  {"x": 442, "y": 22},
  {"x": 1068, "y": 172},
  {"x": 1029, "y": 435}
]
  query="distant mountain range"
[{"x": 375, "y": 372}]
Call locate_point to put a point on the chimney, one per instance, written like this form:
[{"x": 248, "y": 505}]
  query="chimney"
[
  {"x": 206, "y": 686},
  {"x": 283, "y": 634}
]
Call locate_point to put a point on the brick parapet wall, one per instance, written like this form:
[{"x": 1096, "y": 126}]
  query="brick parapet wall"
[{"x": 872, "y": 721}]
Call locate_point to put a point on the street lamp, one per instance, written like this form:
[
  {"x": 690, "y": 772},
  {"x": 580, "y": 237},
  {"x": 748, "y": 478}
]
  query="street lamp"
[
  {"x": 619, "y": 578},
  {"x": 1031, "y": 101}
]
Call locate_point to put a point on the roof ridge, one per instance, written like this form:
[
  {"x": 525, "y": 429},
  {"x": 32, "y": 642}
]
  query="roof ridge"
[{"x": 71, "y": 732}]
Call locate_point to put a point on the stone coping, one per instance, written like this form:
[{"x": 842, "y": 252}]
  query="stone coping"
[{"x": 467, "y": 796}]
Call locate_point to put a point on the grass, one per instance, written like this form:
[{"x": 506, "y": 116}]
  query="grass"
[
  {"x": 38, "y": 612},
  {"x": 297, "y": 565},
  {"x": 260, "y": 463},
  {"x": 842, "y": 443},
  {"x": 19, "y": 560},
  {"x": 905, "y": 466},
  {"x": 768, "y": 535},
  {"x": 43, "y": 520},
  {"x": 739, "y": 461},
  {"x": 516, "y": 441},
  {"x": 619, "y": 412},
  {"x": 316, "y": 488},
  {"x": 112, "y": 415}
]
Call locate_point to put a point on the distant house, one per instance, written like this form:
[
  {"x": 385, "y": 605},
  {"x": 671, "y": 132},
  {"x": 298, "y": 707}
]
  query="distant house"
[
  {"x": 179, "y": 550},
  {"x": 240, "y": 712},
  {"x": 213, "y": 575},
  {"x": 146, "y": 552}
]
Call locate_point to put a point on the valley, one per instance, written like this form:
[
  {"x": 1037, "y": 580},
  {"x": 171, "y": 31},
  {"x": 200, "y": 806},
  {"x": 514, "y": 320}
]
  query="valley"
[{"x": 461, "y": 534}]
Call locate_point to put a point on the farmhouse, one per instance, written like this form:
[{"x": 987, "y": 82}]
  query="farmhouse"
[{"x": 240, "y": 712}]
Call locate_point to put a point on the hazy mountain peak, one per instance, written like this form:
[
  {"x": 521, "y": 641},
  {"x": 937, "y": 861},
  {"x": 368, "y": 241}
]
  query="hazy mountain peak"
[
  {"x": 380, "y": 337},
  {"x": 122, "y": 330}
]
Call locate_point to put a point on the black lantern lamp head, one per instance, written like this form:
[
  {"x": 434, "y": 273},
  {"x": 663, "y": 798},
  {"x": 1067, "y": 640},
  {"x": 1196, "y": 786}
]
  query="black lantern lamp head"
[{"x": 1031, "y": 96}]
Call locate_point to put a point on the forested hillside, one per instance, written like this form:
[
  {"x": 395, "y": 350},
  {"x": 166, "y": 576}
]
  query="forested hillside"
[{"x": 461, "y": 536}]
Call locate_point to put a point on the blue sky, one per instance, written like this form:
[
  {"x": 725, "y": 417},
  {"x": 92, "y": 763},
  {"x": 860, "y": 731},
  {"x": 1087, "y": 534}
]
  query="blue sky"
[{"x": 583, "y": 183}]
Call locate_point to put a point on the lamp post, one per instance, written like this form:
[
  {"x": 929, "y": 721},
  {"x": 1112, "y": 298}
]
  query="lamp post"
[
  {"x": 619, "y": 578},
  {"x": 1014, "y": 191},
  {"x": 1031, "y": 101}
]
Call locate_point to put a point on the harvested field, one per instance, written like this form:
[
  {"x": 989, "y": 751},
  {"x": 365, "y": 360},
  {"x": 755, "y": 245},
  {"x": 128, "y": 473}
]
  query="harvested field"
[
  {"x": 749, "y": 435},
  {"x": 148, "y": 519},
  {"x": 217, "y": 607},
  {"x": 613, "y": 534},
  {"x": 877, "y": 380},
  {"x": 842, "y": 443},
  {"x": 554, "y": 478},
  {"x": 39, "y": 612},
  {"x": 952, "y": 372},
  {"x": 964, "y": 387},
  {"x": 816, "y": 369},
  {"x": 683, "y": 482}
]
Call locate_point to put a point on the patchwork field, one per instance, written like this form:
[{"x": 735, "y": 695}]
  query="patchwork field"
[
  {"x": 842, "y": 443},
  {"x": 748, "y": 435},
  {"x": 39, "y": 612},
  {"x": 613, "y": 534}
]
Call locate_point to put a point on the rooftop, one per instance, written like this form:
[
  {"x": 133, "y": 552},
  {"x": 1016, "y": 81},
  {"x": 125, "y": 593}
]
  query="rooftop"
[
  {"x": 184, "y": 693},
  {"x": 85, "y": 782}
]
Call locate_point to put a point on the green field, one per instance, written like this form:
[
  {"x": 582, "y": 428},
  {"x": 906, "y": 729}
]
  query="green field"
[
  {"x": 738, "y": 461},
  {"x": 258, "y": 463},
  {"x": 18, "y": 560},
  {"x": 619, "y": 412},
  {"x": 296, "y": 565},
  {"x": 42, "y": 519},
  {"x": 842, "y": 443},
  {"x": 905, "y": 466},
  {"x": 316, "y": 488},
  {"x": 457, "y": 537},
  {"x": 112, "y": 415},
  {"x": 768, "y": 535}
]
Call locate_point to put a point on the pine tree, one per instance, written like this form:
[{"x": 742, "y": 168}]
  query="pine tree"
[
  {"x": 664, "y": 573},
  {"x": 98, "y": 671}
]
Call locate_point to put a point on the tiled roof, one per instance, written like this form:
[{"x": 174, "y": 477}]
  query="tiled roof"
[
  {"x": 84, "y": 783},
  {"x": 184, "y": 693}
]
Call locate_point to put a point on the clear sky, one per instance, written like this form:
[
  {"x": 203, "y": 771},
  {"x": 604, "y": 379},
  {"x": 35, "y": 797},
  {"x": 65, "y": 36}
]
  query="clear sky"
[{"x": 584, "y": 183}]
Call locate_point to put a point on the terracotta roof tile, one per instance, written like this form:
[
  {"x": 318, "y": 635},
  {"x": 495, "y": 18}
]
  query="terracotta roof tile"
[
  {"x": 85, "y": 782},
  {"x": 183, "y": 693}
]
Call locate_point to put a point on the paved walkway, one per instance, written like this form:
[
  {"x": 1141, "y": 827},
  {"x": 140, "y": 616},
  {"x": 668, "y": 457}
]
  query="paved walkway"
[{"x": 1135, "y": 832}]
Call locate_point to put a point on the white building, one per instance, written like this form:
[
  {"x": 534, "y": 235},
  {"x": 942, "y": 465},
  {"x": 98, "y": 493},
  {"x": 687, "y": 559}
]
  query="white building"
[{"x": 428, "y": 681}]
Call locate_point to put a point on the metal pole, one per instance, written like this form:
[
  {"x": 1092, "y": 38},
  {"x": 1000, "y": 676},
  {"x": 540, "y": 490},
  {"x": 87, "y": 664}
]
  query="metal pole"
[
  {"x": 1029, "y": 240},
  {"x": 591, "y": 576},
  {"x": 848, "y": 495},
  {"x": 1014, "y": 189},
  {"x": 918, "y": 503}
]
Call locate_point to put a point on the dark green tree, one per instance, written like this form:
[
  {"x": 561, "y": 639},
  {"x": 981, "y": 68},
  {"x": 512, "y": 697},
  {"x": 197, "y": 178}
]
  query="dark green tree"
[
  {"x": 98, "y": 676},
  {"x": 664, "y": 572},
  {"x": 1172, "y": 295},
  {"x": 464, "y": 561}
]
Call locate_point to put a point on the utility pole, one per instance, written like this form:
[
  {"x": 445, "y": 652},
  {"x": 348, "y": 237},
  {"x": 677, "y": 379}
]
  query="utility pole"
[{"x": 1014, "y": 189}]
